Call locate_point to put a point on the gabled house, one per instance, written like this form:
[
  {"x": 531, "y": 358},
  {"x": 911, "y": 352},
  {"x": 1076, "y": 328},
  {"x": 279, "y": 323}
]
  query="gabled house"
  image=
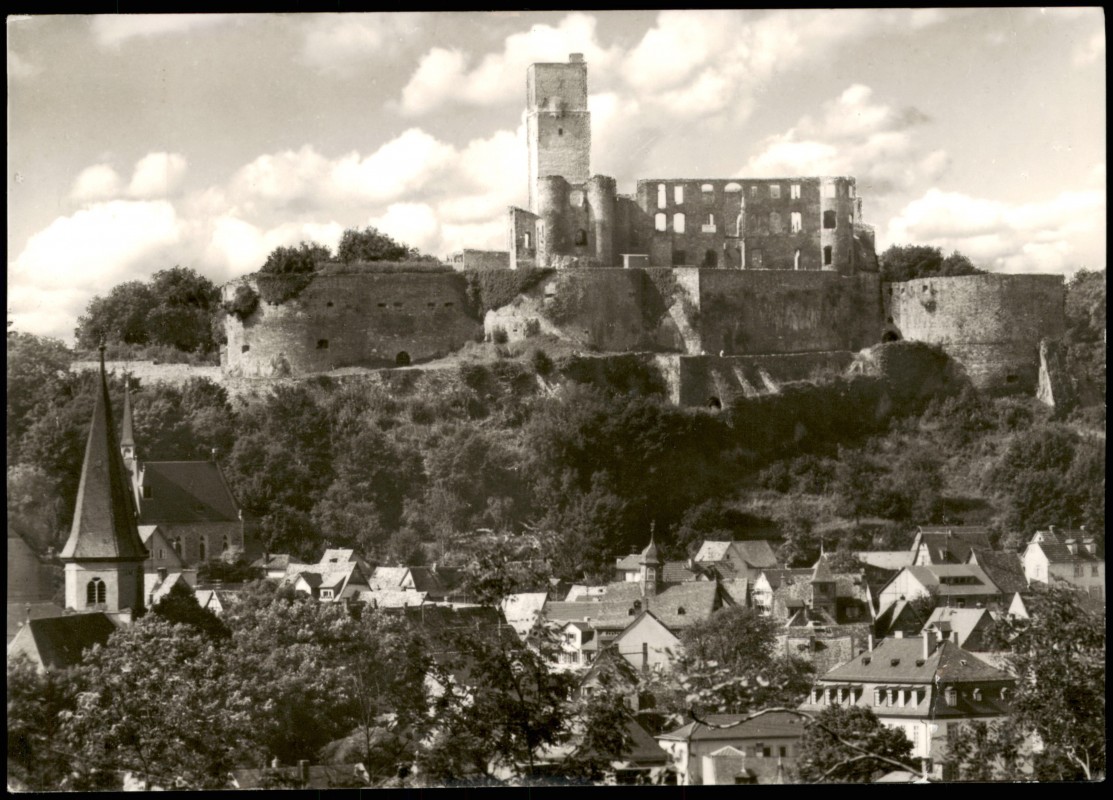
[
  {"x": 957, "y": 585},
  {"x": 163, "y": 567},
  {"x": 733, "y": 559},
  {"x": 522, "y": 610},
  {"x": 948, "y": 544},
  {"x": 756, "y": 751},
  {"x": 768, "y": 581},
  {"x": 822, "y": 597},
  {"x": 1072, "y": 557},
  {"x": 1003, "y": 567},
  {"x": 919, "y": 686},
  {"x": 969, "y": 628},
  {"x": 215, "y": 600},
  {"x": 273, "y": 565}
]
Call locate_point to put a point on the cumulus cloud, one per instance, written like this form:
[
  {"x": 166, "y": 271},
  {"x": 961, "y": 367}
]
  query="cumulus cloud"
[
  {"x": 111, "y": 30},
  {"x": 157, "y": 175},
  {"x": 339, "y": 43},
  {"x": 855, "y": 135},
  {"x": 98, "y": 182},
  {"x": 447, "y": 77},
  {"x": 1056, "y": 235}
]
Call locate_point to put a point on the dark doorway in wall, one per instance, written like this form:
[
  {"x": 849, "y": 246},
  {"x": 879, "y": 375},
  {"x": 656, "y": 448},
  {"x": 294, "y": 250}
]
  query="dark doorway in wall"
[
  {"x": 715, "y": 403},
  {"x": 711, "y": 259},
  {"x": 402, "y": 359},
  {"x": 1011, "y": 379},
  {"x": 322, "y": 344},
  {"x": 581, "y": 237},
  {"x": 890, "y": 336}
]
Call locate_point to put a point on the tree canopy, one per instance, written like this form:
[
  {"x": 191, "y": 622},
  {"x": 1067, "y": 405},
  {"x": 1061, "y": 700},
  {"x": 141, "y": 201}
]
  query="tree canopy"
[
  {"x": 371, "y": 244},
  {"x": 907, "y": 262}
]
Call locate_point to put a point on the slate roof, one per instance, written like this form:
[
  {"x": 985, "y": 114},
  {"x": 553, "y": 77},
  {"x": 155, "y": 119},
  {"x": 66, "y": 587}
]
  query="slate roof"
[
  {"x": 438, "y": 582},
  {"x": 822, "y": 572},
  {"x": 738, "y": 589},
  {"x": 1003, "y": 568},
  {"x": 60, "y": 641},
  {"x": 712, "y": 551},
  {"x": 698, "y": 599},
  {"x": 948, "y": 662},
  {"x": 18, "y": 614},
  {"x": 127, "y": 428},
  {"x": 678, "y": 572},
  {"x": 778, "y": 577},
  {"x": 952, "y": 544},
  {"x": 388, "y": 577},
  {"x": 777, "y": 725},
  {"x": 893, "y": 560},
  {"x": 104, "y": 518},
  {"x": 186, "y": 491},
  {"x": 1057, "y": 551},
  {"x": 934, "y": 575},
  {"x": 963, "y": 621}
]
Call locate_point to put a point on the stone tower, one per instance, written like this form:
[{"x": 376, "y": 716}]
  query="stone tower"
[
  {"x": 104, "y": 554},
  {"x": 558, "y": 124}
]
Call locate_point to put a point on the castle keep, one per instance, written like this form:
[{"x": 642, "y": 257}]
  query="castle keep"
[{"x": 729, "y": 285}]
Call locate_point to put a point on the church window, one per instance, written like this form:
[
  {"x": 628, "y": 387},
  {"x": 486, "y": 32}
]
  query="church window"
[
  {"x": 797, "y": 221},
  {"x": 660, "y": 222},
  {"x": 678, "y": 223},
  {"x": 775, "y": 191},
  {"x": 794, "y": 191},
  {"x": 678, "y": 194},
  {"x": 662, "y": 197},
  {"x": 95, "y": 592},
  {"x": 829, "y": 220},
  {"x": 581, "y": 237},
  {"x": 827, "y": 256}
]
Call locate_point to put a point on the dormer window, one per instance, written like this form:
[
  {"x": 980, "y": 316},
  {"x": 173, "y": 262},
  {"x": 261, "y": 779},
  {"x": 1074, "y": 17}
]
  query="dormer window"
[
  {"x": 977, "y": 695},
  {"x": 950, "y": 696}
]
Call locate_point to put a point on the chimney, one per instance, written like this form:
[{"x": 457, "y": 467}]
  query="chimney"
[
  {"x": 303, "y": 771},
  {"x": 645, "y": 656},
  {"x": 575, "y": 58},
  {"x": 869, "y": 642},
  {"x": 1051, "y": 529},
  {"x": 27, "y": 612},
  {"x": 162, "y": 573},
  {"x": 929, "y": 642}
]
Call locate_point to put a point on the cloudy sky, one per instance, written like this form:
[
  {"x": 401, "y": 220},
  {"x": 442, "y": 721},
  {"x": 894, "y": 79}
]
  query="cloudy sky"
[{"x": 139, "y": 142}]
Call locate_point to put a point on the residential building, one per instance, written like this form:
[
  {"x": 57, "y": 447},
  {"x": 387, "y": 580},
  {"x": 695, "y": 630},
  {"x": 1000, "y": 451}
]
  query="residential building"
[
  {"x": 919, "y": 686},
  {"x": 744, "y": 559},
  {"x": 768, "y": 581},
  {"x": 1072, "y": 557},
  {"x": 273, "y": 565},
  {"x": 522, "y": 610},
  {"x": 822, "y": 597},
  {"x": 948, "y": 544},
  {"x": 755, "y": 750},
  {"x": 337, "y": 576},
  {"x": 969, "y": 628},
  {"x": 19, "y": 614},
  {"x": 958, "y": 585}
]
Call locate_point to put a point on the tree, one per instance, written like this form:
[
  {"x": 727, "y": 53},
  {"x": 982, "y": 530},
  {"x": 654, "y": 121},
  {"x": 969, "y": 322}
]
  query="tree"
[
  {"x": 602, "y": 719},
  {"x": 497, "y": 569},
  {"x": 38, "y": 369},
  {"x": 157, "y": 702},
  {"x": 823, "y": 758},
  {"x": 179, "y": 606},
  {"x": 906, "y": 262},
  {"x": 37, "y": 702},
  {"x": 120, "y": 316},
  {"x": 295, "y": 260},
  {"x": 988, "y": 751},
  {"x": 370, "y": 244},
  {"x": 1058, "y": 656}
]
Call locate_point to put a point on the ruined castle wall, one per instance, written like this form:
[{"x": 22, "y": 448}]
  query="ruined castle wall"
[
  {"x": 703, "y": 380},
  {"x": 990, "y": 324},
  {"x": 522, "y": 238},
  {"x": 365, "y": 319},
  {"x": 753, "y": 312}
]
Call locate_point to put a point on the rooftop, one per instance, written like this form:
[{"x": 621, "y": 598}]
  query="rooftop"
[
  {"x": 186, "y": 491},
  {"x": 778, "y": 724},
  {"x": 902, "y": 661}
]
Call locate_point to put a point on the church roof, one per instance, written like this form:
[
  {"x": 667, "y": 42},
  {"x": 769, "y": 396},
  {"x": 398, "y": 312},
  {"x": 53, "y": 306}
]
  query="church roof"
[
  {"x": 105, "y": 518},
  {"x": 186, "y": 491}
]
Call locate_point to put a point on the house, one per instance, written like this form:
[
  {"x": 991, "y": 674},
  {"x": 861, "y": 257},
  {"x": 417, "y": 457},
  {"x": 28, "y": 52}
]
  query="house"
[
  {"x": 53, "y": 643},
  {"x": 191, "y": 501},
  {"x": 768, "y": 581},
  {"x": 522, "y": 610},
  {"x": 163, "y": 567},
  {"x": 1072, "y": 558},
  {"x": 339, "y": 575},
  {"x": 736, "y": 559},
  {"x": 754, "y": 750},
  {"x": 390, "y": 598},
  {"x": 969, "y": 628},
  {"x": 647, "y": 643},
  {"x": 948, "y": 544},
  {"x": 215, "y": 600},
  {"x": 273, "y": 565},
  {"x": 958, "y": 585},
  {"x": 1003, "y": 567},
  {"x": 919, "y": 686},
  {"x": 822, "y": 597},
  {"x": 893, "y": 560}
]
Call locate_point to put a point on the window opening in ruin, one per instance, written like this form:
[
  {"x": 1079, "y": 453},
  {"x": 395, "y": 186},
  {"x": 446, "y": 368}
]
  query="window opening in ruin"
[
  {"x": 775, "y": 191},
  {"x": 753, "y": 191},
  {"x": 1011, "y": 379},
  {"x": 661, "y": 197},
  {"x": 732, "y": 187},
  {"x": 560, "y": 131},
  {"x": 796, "y": 221},
  {"x": 711, "y": 259},
  {"x": 322, "y": 344},
  {"x": 659, "y": 222},
  {"x": 382, "y": 305},
  {"x": 678, "y": 223},
  {"x": 775, "y": 222},
  {"x": 794, "y": 191},
  {"x": 449, "y": 305},
  {"x": 796, "y": 260},
  {"x": 402, "y": 359},
  {"x": 245, "y": 348},
  {"x": 849, "y": 219},
  {"x": 678, "y": 194},
  {"x": 581, "y": 237},
  {"x": 850, "y": 190},
  {"x": 829, "y": 190},
  {"x": 827, "y": 256},
  {"x": 95, "y": 592},
  {"x": 708, "y": 192},
  {"x": 201, "y": 548},
  {"x": 829, "y": 219},
  {"x": 715, "y": 403},
  {"x": 525, "y": 241}
]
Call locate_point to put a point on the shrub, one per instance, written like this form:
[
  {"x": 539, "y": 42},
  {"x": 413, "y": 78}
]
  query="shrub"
[
  {"x": 494, "y": 288},
  {"x": 243, "y": 302},
  {"x": 542, "y": 364},
  {"x": 277, "y": 289}
]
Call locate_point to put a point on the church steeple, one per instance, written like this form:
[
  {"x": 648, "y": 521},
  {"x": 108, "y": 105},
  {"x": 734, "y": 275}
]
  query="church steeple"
[
  {"x": 104, "y": 553},
  {"x": 651, "y": 565}
]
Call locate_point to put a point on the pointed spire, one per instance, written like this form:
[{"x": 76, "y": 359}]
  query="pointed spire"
[
  {"x": 127, "y": 434},
  {"x": 822, "y": 572},
  {"x": 649, "y": 554},
  {"x": 104, "y": 519}
]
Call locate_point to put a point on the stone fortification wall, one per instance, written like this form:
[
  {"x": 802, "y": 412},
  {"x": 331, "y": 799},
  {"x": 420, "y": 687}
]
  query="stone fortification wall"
[
  {"x": 990, "y": 324},
  {"x": 717, "y": 381},
  {"x": 754, "y": 312},
  {"x": 734, "y": 312},
  {"x": 149, "y": 372},
  {"x": 367, "y": 319}
]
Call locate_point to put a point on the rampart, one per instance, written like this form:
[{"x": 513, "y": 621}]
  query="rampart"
[
  {"x": 367, "y": 319},
  {"x": 990, "y": 324}
]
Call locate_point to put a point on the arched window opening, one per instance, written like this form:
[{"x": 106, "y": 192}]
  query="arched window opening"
[
  {"x": 732, "y": 187},
  {"x": 526, "y": 241},
  {"x": 829, "y": 220},
  {"x": 662, "y": 196},
  {"x": 678, "y": 223},
  {"x": 827, "y": 256},
  {"x": 402, "y": 359},
  {"x": 796, "y": 260},
  {"x": 660, "y": 222},
  {"x": 678, "y": 194},
  {"x": 95, "y": 592},
  {"x": 715, "y": 403},
  {"x": 581, "y": 237}
]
